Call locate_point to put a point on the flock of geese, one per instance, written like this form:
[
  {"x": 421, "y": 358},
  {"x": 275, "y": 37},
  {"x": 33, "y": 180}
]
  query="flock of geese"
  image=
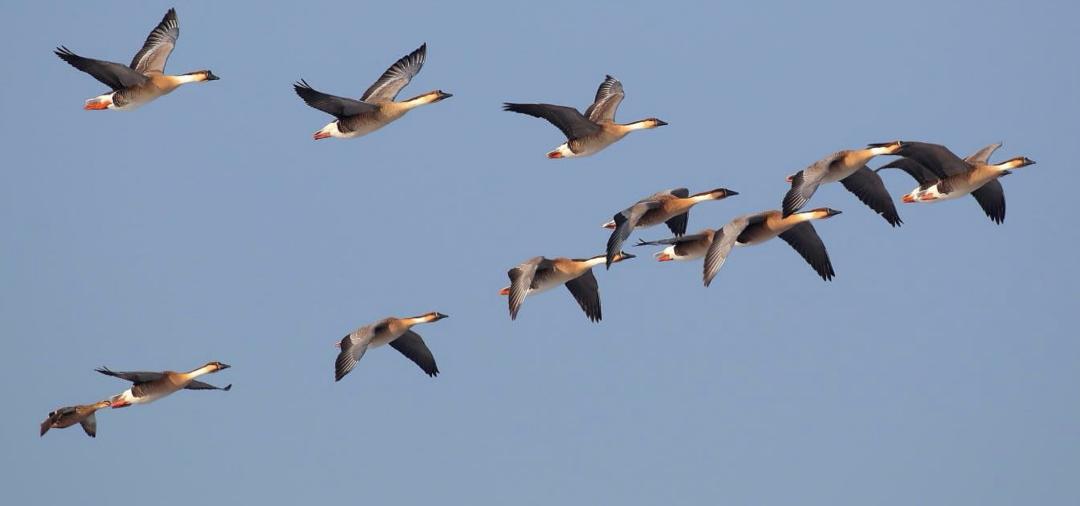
[{"x": 940, "y": 174}]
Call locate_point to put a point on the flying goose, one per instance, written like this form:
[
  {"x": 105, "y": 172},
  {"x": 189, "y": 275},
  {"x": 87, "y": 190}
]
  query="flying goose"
[
  {"x": 751, "y": 229},
  {"x": 848, "y": 167},
  {"x": 944, "y": 176},
  {"x": 71, "y": 415},
  {"x": 687, "y": 247},
  {"x": 540, "y": 274},
  {"x": 151, "y": 386},
  {"x": 394, "y": 331},
  {"x": 142, "y": 81},
  {"x": 671, "y": 207},
  {"x": 595, "y": 130},
  {"x": 376, "y": 107}
]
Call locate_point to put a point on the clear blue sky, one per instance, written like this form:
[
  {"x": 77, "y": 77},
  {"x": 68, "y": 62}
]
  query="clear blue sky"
[{"x": 937, "y": 368}]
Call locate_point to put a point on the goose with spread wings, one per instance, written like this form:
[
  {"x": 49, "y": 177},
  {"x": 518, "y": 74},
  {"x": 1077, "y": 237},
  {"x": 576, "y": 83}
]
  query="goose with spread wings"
[
  {"x": 671, "y": 207},
  {"x": 944, "y": 176},
  {"x": 751, "y": 229},
  {"x": 398, "y": 333},
  {"x": 377, "y": 107},
  {"x": 539, "y": 274},
  {"x": 70, "y": 415},
  {"x": 150, "y": 386},
  {"x": 593, "y": 131},
  {"x": 849, "y": 168},
  {"x": 144, "y": 79}
]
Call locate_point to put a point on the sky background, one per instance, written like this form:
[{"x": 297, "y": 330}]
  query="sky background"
[{"x": 937, "y": 368}]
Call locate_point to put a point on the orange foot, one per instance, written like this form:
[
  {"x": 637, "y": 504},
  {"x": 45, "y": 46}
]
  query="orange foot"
[
  {"x": 664, "y": 257},
  {"x": 320, "y": 135},
  {"x": 96, "y": 105},
  {"x": 908, "y": 199},
  {"x": 505, "y": 291},
  {"x": 554, "y": 154}
]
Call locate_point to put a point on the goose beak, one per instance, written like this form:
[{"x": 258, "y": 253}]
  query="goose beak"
[
  {"x": 222, "y": 367},
  {"x": 440, "y": 316}
]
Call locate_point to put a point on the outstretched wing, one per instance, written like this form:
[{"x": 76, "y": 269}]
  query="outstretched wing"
[
  {"x": 135, "y": 377},
  {"x": 521, "y": 278},
  {"x": 396, "y": 77},
  {"x": 723, "y": 241},
  {"x": 991, "y": 198},
  {"x": 413, "y": 347},
  {"x": 89, "y": 425},
  {"x": 983, "y": 155},
  {"x": 567, "y": 119},
  {"x": 339, "y": 107},
  {"x": 937, "y": 158},
  {"x": 608, "y": 97},
  {"x": 625, "y": 222},
  {"x": 353, "y": 347},
  {"x": 198, "y": 385},
  {"x": 158, "y": 46},
  {"x": 587, "y": 294},
  {"x": 804, "y": 239},
  {"x": 867, "y": 185},
  {"x": 914, "y": 169},
  {"x": 113, "y": 75}
]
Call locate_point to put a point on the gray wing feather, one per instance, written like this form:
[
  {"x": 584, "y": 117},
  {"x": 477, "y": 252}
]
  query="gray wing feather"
[
  {"x": 567, "y": 119},
  {"x": 521, "y": 278},
  {"x": 89, "y": 425},
  {"x": 625, "y": 222},
  {"x": 608, "y": 97},
  {"x": 983, "y": 155},
  {"x": 158, "y": 46},
  {"x": 587, "y": 294},
  {"x": 804, "y": 239},
  {"x": 991, "y": 198},
  {"x": 937, "y": 158},
  {"x": 396, "y": 77},
  {"x": 723, "y": 241},
  {"x": 868, "y": 187},
  {"x": 114, "y": 75},
  {"x": 136, "y": 377},
  {"x": 353, "y": 347},
  {"x": 339, "y": 107},
  {"x": 198, "y": 385}
]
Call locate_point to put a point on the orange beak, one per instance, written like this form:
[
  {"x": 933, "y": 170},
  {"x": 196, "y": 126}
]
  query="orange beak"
[
  {"x": 664, "y": 257},
  {"x": 908, "y": 199},
  {"x": 505, "y": 291},
  {"x": 554, "y": 154},
  {"x": 321, "y": 135}
]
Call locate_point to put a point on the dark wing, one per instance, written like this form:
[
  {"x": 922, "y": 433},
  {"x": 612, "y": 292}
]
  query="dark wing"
[
  {"x": 805, "y": 240},
  {"x": 113, "y": 75},
  {"x": 915, "y": 169},
  {"x": 937, "y": 158},
  {"x": 339, "y": 107},
  {"x": 587, "y": 294},
  {"x": 608, "y": 97},
  {"x": 567, "y": 119},
  {"x": 867, "y": 185},
  {"x": 723, "y": 240},
  {"x": 625, "y": 222},
  {"x": 412, "y": 346},
  {"x": 198, "y": 385},
  {"x": 991, "y": 197},
  {"x": 396, "y": 77},
  {"x": 158, "y": 46},
  {"x": 135, "y": 377},
  {"x": 521, "y": 278},
  {"x": 677, "y": 223},
  {"x": 983, "y": 155},
  {"x": 89, "y": 425}
]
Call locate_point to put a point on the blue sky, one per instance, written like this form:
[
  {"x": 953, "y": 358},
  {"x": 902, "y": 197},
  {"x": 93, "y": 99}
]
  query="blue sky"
[{"x": 937, "y": 367}]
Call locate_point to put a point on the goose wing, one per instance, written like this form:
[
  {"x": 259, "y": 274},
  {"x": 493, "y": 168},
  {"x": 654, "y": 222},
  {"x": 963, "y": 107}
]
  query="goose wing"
[
  {"x": 587, "y": 294},
  {"x": 396, "y": 77},
  {"x": 804, "y": 239},
  {"x": 158, "y": 46},
  {"x": 413, "y": 347},
  {"x": 723, "y": 241},
  {"x": 567, "y": 119},
  {"x": 114, "y": 75},
  {"x": 608, "y": 97},
  {"x": 868, "y": 187},
  {"x": 339, "y": 107}
]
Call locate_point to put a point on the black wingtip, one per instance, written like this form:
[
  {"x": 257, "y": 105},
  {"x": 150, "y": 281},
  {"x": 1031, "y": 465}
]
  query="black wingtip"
[{"x": 227, "y": 387}]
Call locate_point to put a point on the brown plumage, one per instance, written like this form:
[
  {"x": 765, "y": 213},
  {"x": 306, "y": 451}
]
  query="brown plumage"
[{"x": 71, "y": 415}]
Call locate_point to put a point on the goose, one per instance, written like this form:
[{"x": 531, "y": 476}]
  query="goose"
[
  {"x": 848, "y": 167},
  {"x": 589, "y": 133},
  {"x": 671, "y": 207},
  {"x": 751, "y": 229},
  {"x": 144, "y": 79},
  {"x": 71, "y": 415},
  {"x": 944, "y": 176},
  {"x": 680, "y": 248},
  {"x": 398, "y": 333},
  {"x": 540, "y": 274},
  {"x": 376, "y": 107},
  {"x": 151, "y": 386}
]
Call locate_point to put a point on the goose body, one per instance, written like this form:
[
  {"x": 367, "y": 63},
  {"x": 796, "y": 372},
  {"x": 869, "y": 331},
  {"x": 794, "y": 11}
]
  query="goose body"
[
  {"x": 849, "y": 168},
  {"x": 144, "y": 79},
  {"x": 588, "y": 133},
  {"x": 944, "y": 176},
  {"x": 669, "y": 206},
  {"x": 753, "y": 229},
  {"x": 150, "y": 386},
  {"x": 71, "y": 415},
  {"x": 687, "y": 247},
  {"x": 398, "y": 333},
  {"x": 377, "y": 107},
  {"x": 540, "y": 274}
]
